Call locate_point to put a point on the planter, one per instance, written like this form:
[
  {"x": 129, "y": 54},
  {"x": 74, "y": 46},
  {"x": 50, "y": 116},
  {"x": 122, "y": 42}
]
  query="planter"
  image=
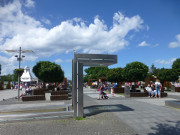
[
  {"x": 145, "y": 94},
  {"x": 118, "y": 90},
  {"x": 33, "y": 98},
  {"x": 58, "y": 97},
  {"x": 177, "y": 89}
]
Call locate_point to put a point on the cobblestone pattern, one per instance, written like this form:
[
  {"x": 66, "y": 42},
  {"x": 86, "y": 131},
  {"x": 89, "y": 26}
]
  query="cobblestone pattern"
[{"x": 101, "y": 124}]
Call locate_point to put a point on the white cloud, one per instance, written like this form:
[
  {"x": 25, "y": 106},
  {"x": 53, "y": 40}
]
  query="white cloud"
[
  {"x": 156, "y": 45},
  {"x": 68, "y": 36},
  {"x": 7, "y": 64},
  {"x": 30, "y": 57},
  {"x": 29, "y": 3},
  {"x": 175, "y": 44},
  {"x": 142, "y": 44},
  {"x": 68, "y": 60},
  {"x": 46, "y": 21},
  {"x": 19, "y": 29},
  {"x": 58, "y": 61},
  {"x": 147, "y": 27},
  {"x": 165, "y": 62}
]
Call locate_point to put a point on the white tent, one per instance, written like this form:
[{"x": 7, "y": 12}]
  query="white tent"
[{"x": 26, "y": 76}]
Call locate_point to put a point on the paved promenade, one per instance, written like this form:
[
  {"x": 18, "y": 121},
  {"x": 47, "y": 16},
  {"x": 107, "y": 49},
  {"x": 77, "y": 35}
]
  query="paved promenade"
[
  {"x": 115, "y": 116},
  {"x": 146, "y": 116},
  {"x": 6, "y": 94}
]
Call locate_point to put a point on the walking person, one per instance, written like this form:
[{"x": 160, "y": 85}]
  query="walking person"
[{"x": 101, "y": 88}]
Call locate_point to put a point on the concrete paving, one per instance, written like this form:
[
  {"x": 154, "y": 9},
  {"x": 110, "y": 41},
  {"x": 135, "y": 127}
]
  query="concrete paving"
[
  {"x": 175, "y": 95},
  {"x": 6, "y": 94},
  {"x": 115, "y": 116},
  {"x": 102, "y": 123},
  {"x": 145, "y": 116}
]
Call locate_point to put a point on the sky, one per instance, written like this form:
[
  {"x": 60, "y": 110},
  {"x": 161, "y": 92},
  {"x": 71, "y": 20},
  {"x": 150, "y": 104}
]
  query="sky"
[{"x": 147, "y": 31}]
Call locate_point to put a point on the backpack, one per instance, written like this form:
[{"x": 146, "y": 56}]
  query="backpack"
[{"x": 158, "y": 86}]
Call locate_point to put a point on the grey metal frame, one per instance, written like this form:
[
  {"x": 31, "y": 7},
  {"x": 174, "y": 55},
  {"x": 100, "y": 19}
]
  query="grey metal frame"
[{"x": 80, "y": 60}]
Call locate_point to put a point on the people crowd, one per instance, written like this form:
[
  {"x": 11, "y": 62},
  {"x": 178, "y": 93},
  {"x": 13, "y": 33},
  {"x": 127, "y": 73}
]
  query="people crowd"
[{"x": 154, "y": 89}]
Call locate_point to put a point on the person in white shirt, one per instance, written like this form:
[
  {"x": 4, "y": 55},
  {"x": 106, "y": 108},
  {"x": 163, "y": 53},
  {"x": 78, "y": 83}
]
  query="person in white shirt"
[
  {"x": 158, "y": 88},
  {"x": 149, "y": 90}
]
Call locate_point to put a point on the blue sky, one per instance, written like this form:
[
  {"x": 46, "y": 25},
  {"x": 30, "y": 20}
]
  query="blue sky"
[{"x": 136, "y": 30}]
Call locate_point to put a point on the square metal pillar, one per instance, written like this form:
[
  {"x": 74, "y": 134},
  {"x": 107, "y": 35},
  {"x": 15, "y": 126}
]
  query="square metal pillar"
[{"x": 78, "y": 89}]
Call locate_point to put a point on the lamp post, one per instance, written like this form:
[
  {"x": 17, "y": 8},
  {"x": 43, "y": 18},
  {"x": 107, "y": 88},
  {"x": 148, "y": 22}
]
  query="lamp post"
[{"x": 19, "y": 58}]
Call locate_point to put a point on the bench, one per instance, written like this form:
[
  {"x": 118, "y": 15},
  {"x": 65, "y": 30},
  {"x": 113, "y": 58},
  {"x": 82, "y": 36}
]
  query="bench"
[
  {"x": 33, "y": 97},
  {"x": 118, "y": 90},
  {"x": 38, "y": 92},
  {"x": 59, "y": 95},
  {"x": 145, "y": 94},
  {"x": 36, "y": 95},
  {"x": 138, "y": 94},
  {"x": 177, "y": 89}
]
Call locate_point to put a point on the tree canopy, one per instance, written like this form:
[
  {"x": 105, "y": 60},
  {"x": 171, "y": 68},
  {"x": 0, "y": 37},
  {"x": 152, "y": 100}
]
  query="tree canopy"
[
  {"x": 16, "y": 72},
  {"x": 167, "y": 75},
  {"x": 115, "y": 75},
  {"x": 153, "y": 70},
  {"x": 96, "y": 72},
  {"x": 8, "y": 77},
  {"x": 48, "y": 71},
  {"x": 176, "y": 66},
  {"x": 135, "y": 71}
]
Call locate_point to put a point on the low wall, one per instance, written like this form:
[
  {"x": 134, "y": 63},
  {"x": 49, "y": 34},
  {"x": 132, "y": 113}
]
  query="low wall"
[
  {"x": 38, "y": 92},
  {"x": 138, "y": 94},
  {"x": 118, "y": 90},
  {"x": 36, "y": 95},
  {"x": 177, "y": 89},
  {"x": 59, "y": 95},
  {"x": 145, "y": 94},
  {"x": 33, "y": 98}
]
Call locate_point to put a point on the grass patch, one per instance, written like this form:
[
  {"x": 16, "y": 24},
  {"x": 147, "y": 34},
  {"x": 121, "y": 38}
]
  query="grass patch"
[
  {"x": 120, "y": 94},
  {"x": 173, "y": 107},
  {"x": 80, "y": 118}
]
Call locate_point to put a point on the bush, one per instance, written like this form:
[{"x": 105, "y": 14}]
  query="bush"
[
  {"x": 135, "y": 71},
  {"x": 8, "y": 86},
  {"x": 1, "y": 86}
]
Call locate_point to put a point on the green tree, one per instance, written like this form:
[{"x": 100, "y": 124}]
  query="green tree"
[
  {"x": 167, "y": 75},
  {"x": 85, "y": 78},
  {"x": 96, "y": 72},
  {"x": 48, "y": 71},
  {"x": 8, "y": 77},
  {"x": 176, "y": 66},
  {"x": 153, "y": 70},
  {"x": 135, "y": 71},
  {"x": 1, "y": 86},
  {"x": 115, "y": 75},
  {"x": 16, "y": 72},
  {"x": 8, "y": 86}
]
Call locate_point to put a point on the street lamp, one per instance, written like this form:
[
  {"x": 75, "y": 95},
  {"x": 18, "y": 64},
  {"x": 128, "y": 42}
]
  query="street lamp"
[{"x": 19, "y": 58}]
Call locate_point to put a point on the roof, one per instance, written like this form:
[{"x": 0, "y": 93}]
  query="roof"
[{"x": 96, "y": 60}]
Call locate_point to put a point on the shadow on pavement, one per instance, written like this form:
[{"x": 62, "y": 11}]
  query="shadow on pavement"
[
  {"x": 96, "y": 109},
  {"x": 167, "y": 129}
]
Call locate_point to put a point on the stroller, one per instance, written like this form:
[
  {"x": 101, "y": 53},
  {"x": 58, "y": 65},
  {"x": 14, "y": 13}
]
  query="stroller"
[{"x": 105, "y": 95}]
